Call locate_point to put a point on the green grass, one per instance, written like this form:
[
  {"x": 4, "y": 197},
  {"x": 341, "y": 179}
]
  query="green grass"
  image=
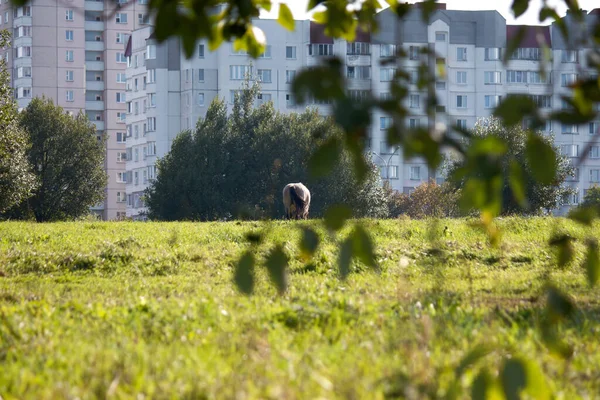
[{"x": 148, "y": 310}]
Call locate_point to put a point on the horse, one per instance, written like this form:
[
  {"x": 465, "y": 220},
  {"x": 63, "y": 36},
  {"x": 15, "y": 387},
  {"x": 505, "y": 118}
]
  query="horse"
[{"x": 296, "y": 200}]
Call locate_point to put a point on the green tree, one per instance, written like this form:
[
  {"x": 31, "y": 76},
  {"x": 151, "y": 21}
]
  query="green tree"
[
  {"x": 592, "y": 198},
  {"x": 17, "y": 182},
  {"x": 427, "y": 200},
  {"x": 68, "y": 161},
  {"x": 239, "y": 164},
  {"x": 537, "y": 196}
]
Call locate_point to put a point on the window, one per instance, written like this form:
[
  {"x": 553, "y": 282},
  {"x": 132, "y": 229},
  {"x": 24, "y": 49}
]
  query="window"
[
  {"x": 571, "y": 199},
  {"x": 414, "y": 52},
  {"x": 201, "y": 99},
  {"x": 24, "y": 51},
  {"x": 263, "y": 98},
  {"x": 122, "y": 37},
  {"x": 440, "y": 36},
  {"x": 413, "y": 77},
  {"x": 151, "y": 123},
  {"x": 120, "y": 97},
  {"x": 492, "y": 101},
  {"x": 69, "y": 35},
  {"x": 461, "y": 123},
  {"x": 136, "y": 108},
  {"x": 573, "y": 177},
  {"x": 152, "y": 99},
  {"x": 359, "y": 95},
  {"x": 289, "y": 100},
  {"x": 385, "y": 122},
  {"x": 492, "y": 77},
  {"x": 121, "y": 196},
  {"x": 387, "y": 50},
  {"x": 121, "y": 157},
  {"x": 152, "y": 75},
  {"x": 413, "y": 123},
  {"x": 537, "y": 78},
  {"x": 68, "y": 16},
  {"x": 595, "y": 152},
  {"x": 121, "y": 138},
  {"x": 143, "y": 19},
  {"x": 266, "y": 53},
  {"x": 120, "y": 177},
  {"x": 527, "y": 53},
  {"x": 461, "y": 101},
  {"x": 23, "y": 72},
  {"x": 595, "y": 175},
  {"x": 542, "y": 101},
  {"x": 320, "y": 49},
  {"x": 593, "y": 128},
  {"x": 69, "y": 77},
  {"x": 385, "y": 149},
  {"x": 121, "y": 58},
  {"x": 440, "y": 85},
  {"x": 461, "y": 77},
  {"x": 6, "y": 17},
  {"x": 239, "y": 72},
  {"x": 547, "y": 126},
  {"x": 569, "y": 56},
  {"x": 387, "y": 74},
  {"x": 289, "y": 76},
  {"x": 200, "y": 75},
  {"x": 358, "y": 48},
  {"x": 69, "y": 95},
  {"x": 290, "y": 52},
  {"x": 362, "y": 72},
  {"x": 415, "y": 173},
  {"x": 516, "y": 76},
  {"x": 121, "y": 117},
  {"x": 136, "y": 131},
  {"x": 569, "y": 150},
  {"x": 569, "y": 129},
  {"x": 121, "y": 18},
  {"x": 264, "y": 75},
  {"x": 136, "y": 61},
  {"x": 492, "y": 54},
  {"x": 121, "y": 77},
  {"x": 567, "y": 79},
  {"x": 385, "y": 96},
  {"x": 200, "y": 51},
  {"x": 22, "y": 31},
  {"x": 414, "y": 101},
  {"x": 69, "y": 55},
  {"x": 23, "y": 93},
  {"x": 461, "y": 54}
]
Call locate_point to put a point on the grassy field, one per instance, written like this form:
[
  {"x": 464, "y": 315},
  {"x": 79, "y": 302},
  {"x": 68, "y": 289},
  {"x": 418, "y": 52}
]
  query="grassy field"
[{"x": 148, "y": 310}]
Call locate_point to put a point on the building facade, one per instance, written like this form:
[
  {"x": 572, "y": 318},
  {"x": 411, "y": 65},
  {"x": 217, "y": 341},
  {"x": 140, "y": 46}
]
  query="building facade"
[
  {"x": 168, "y": 93},
  {"x": 74, "y": 53}
]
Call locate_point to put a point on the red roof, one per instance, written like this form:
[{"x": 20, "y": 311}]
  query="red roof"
[
  {"x": 534, "y": 35},
  {"x": 317, "y": 34}
]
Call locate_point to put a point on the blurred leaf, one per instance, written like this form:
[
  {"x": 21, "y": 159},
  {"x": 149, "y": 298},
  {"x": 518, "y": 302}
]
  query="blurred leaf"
[
  {"x": 363, "y": 247},
  {"x": 513, "y": 376},
  {"x": 428, "y": 7},
  {"x": 286, "y": 19},
  {"x": 583, "y": 215},
  {"x": 541, "y": 158},
  {"x": 276, "y": 263},
  {"x": 485, "y": 387},
  {"x": 336, "y": 216},
  {"x": 516, "y": 181},
  {"x": 553, "y": 342},
  {"x": 323, "y": 82},
  {"x": 244, "y": 273},
  {"x": 519, "y": 7},
  {"x": 572, "y": 117},
  {"x": 592, "y": 262},
  {"x": 515, "y": 107},
  {"x": 564, "y": 245},
  {"x": 513, "y": 44},
  {"x": 325, "y": 158},
  {"x": 559, "y": 305},
  {"x": 309, "y": 243},
  {"x": 345, "y": 257},
  {"x": 470, "y": 359},
  {"x": 254, "y": 237}
]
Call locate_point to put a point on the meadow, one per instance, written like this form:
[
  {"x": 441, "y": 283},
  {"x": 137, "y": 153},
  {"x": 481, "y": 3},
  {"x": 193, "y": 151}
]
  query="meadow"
[{"x": 150, "y": 311}]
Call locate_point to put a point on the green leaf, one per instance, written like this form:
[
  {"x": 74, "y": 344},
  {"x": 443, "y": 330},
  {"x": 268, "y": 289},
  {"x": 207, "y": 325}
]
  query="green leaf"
[
  {"x": 309, "y": 243},
  {"x": 286, "y": 19},
  {"x": 254, "y": 237},
  {"x": 559, "y": 305},
  {"x": 345, "y": 257},
  {"x": 555, "y": 344},
  {"x": 516, "y": 181},
  {"x": 322, "y": 82},
  {"x": 541, "y": 158},
  {"x": 513, "y": 44},
  {"x": 592, "y": 262},
  {"x": 519, "y": 7},
  {"x": 583, "y": 215},
  {"x": 244, "y": 273},
  {"x": 363, "y": 247},
  {"x": 514, "y": 108},
  {"x": 484, "y": 386},
  {"x": 325, "y": 158},
  {"x": 564, "y": 244},
  {"x": 470, "y": 359},
  {"x": 336, "y": 216},
  {"x": 276, "y": 264},
  {"x": 513, "y": 376}
]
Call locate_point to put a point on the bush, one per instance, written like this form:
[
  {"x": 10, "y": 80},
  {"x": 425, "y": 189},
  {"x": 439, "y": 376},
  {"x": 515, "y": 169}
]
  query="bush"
[{"x": 429, "y": 200}]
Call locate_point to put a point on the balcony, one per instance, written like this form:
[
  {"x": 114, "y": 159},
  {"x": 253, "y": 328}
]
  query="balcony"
[
  {"x": 94, "y": 65},
  {"x": 99, "y": 124},
  {"x": 93, "y": 5},
  {"x": 94, "y": 25},
  {"x": 94, "y": 85},
  {"x": 94, "y": 106},
  {"x": 94, "y": 45}
]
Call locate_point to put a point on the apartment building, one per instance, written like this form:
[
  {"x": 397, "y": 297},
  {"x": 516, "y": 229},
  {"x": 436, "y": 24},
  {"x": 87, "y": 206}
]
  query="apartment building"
[
  {"x": 469, "y": 46},
  {"x": 73, "y": 53}
]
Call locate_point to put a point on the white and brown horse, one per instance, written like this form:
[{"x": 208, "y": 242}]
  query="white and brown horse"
[{"x": 296, "y": 199}]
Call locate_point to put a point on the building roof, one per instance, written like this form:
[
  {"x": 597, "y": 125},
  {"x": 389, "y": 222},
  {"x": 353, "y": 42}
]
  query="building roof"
[
  {"x": 317, "y": 34},
  {"x": 534, "y": 36}
]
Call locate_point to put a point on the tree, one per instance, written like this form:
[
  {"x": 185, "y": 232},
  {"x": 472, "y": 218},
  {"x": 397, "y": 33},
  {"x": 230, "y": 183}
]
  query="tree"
[
  {"x": 231, "y": 165},
  {"x": 16, "y": 179},
  {"x": 68, "y": 161},
  {"x": 427, "y": 200},
  {"x": 592, "y": 198},
  {"x": 520, "y": 192}
]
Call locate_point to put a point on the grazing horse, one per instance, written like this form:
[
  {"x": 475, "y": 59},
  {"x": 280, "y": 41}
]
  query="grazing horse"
[{"x": 296, "y": 199}]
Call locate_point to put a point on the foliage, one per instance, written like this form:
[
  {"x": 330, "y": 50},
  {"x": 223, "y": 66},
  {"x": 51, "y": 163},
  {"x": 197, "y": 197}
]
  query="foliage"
[
  {"x": 68, "y": 161},
  {"x": 128, "y": 296},
  {"x": 242, "y": 162},
  {"x": 427, "y": 200},
  {"x": 525, "y": 195},
  {"x": 16, "y": 180},
  {"x": 592, "y": 198}
]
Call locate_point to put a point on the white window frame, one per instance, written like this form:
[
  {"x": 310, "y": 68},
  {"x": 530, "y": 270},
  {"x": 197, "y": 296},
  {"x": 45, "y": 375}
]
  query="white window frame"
[
  {"x": 461, "y": 77},
  {"x": 461, "y": 101}
]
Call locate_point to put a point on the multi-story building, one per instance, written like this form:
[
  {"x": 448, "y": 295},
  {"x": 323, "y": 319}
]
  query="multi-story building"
[
  {"x": 74, "y": 53},
  {"x": 471, "y": 80}
]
